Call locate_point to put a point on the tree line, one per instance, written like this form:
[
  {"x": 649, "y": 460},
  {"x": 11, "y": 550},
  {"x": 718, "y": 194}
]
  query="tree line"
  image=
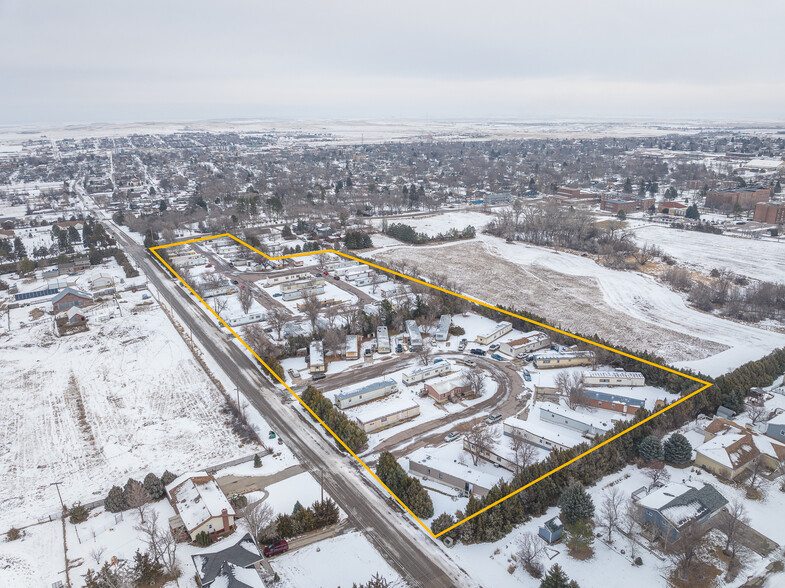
[{"x": 347, "y": 430}]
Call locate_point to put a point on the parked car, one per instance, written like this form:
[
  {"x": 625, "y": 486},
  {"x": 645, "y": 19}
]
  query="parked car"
[
  {"x": 476, "y": 351},
  {"x": 438, "y": 360},
  {"x": 281, "y": 546},
  {"x": 337, "y": 278},
  {"x": 209, "y": 265},
  {"x": 280, "y": 441},
  {"x": 527, "y": 376},
  {"x": 399, "y": 348},
  {"x": 462, "y": 345},
  {"x": 493, "y": 347},
  {"x": 271, "y": 435},
  {"x": 235, "y": 282},
  {"x": 494, "y": 418},
  {"x": 468, "y": 362},
  {"x": 293, "y": 374},
  {"x": 497, "y": 357},
  {"x": 276, "y": 295},
  {"x": 318, "y": 377},
  {"x": 451, "y": 436}
]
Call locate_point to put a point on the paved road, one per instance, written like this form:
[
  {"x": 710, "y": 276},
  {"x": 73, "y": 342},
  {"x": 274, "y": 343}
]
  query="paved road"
[{"x": 412, "y": 554}]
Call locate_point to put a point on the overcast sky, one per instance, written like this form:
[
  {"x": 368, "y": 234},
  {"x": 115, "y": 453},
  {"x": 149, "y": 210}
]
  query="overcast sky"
[{"x": 105, "y": 61}]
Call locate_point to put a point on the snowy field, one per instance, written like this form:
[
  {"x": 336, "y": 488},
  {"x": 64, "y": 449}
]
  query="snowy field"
[
  {"x": 95, "y": 408},
  {"x": 434, "y": 224},
  {"x": 578, "y": 295},
  {"x": 755, "y": 258},
  {"x": 341, "y": 561}
]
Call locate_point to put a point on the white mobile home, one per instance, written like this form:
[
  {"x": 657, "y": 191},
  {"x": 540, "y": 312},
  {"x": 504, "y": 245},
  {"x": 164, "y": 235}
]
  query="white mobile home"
[
  {"x": 219, "y": 291},
  {"x": 382, "y": 340},
  {"x": 367, "y": 393},
  {"x": 560, "y": 360},
  {"x": 284, "y": 279},
  {"x": 247, "y": 319},
  {"x": 414, "y": 336},
  {"x": 188, "y": 260},
  {"x": 443, "y": 331},
  {"x": 499, "y": 330},
  {"x": 531, "y": 341},
  {"x": 302, "y": 293},
  {"x": 424, "y": 373},
  {"x": 301, "y": 285},
  {"x": 316, "y": 358},
  {"x": 352, "y": 347},
  {"x": 613, "y": 379},
  {"x": 375, "y": 422}
]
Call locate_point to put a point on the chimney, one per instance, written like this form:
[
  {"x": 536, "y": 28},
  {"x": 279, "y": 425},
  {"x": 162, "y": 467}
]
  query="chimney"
[{"x": 225, "y": 519}]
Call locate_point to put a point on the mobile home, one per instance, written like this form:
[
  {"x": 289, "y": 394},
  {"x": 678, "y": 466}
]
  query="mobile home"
[
  {"x": 316, "y": 358},
  {"x": 499, "y": 330},
  {"x": 388, "y": 418},
  {"x": 414, "y": 336},
  {"x": 560, "y": 360},
  {"x": 531, "y": 341},
  {"x": 616, "y": 378},
  {"x": 443, "y": 331},
  {"x": 382, "y": 340},
  {"x": 425, "y": 373},
  {"x": 366, "y": 393}
]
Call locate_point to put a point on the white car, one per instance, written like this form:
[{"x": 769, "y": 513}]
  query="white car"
[{"x": 451, "y": 436}]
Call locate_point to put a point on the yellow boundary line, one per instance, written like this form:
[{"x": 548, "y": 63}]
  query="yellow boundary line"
[{"x": 389, "y": 271}]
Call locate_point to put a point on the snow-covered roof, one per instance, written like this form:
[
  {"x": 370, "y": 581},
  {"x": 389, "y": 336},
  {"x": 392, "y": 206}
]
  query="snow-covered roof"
[
  {"x": 198, "y": 498},
  {"x": 241, "y": 554},
  {"x": 559, "y": 435},
  {"x": 761, "y": 163},
  {"x": 365, "y": 389},
  {"x": 73, "y": 291},
  {"x": 732, "y": 450},
  {"x": 680, "y": 503},
  {"x": 617, "y": 374},
  {"x": 371, "y": 412}
]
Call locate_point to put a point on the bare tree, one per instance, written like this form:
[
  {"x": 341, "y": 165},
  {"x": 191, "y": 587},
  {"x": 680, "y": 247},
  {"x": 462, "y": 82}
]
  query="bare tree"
[
  {"x": 219, "y": 304},
  {"x": 610, "y": 511},
  {"x": 524, "y": 452},
  {"x": 481, "y": 439},
  {"x": 161, "y": 542},
  {"x": 657, "y": 476},
  {"x": 571, "y": 387},
  {"x": 754, "y": 482},
  {"x": 333, "y": 341},
  {"x": 277, "y": 319},
  {"x": 97, "y": 554},
  {"x": 473, "y": 380},
  {"x": 138, "y": 498},
  {"x": 688, "y": 549},
  {"x": 311, "y": 306},
  {"x": 756, "y": 413},
  {"x": 258, "y": 517},
  {"x": 424, "y": 354},
  {"x": 731, "y": 522},
  {"x": 246, "y": 299},
  {"x": 530, "y": 550},
  {"x": 630, "y": 526}
]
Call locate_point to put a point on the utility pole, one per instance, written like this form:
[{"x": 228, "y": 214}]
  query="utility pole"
[
  {"x": 57, "y": 485},
  {"x": 322, "y": 483}
]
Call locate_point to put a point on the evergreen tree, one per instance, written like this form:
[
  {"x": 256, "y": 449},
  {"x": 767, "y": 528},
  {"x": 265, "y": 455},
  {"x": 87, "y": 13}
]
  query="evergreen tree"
[
  {"x": 677, "y": 449},
  {"x": 692, "y": 212},
  {"x": 149, "y": 239},
  {"x": 297, "y": 507},
  {"x": 777, "y": 187},
  {"x": 154, "y": 486},
  {"x": 257, "y": 461},
  {"x": 650, "y": 449},
  {"x": 556, "y": 578},
  {"x": 147, "y": 570},
  {"x": 168, "y": 477},
  {"x": 115, "y": 500},
  {"x": 203, "y": 539},
  {"x": 442, "y": 522},
  {"x": 575, "y": 504},
  {"x": 627, "y": 186},
  {"x": 621, "y": 215}
]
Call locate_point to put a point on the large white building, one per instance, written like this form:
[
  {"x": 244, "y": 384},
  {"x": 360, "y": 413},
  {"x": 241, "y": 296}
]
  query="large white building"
[{"x": 614, "y": 378}]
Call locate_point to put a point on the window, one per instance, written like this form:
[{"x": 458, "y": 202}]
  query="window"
[
  {"x": 604, "y": 380},
  {"x": 384, "y": 419},
  {"x": 599, "y": 403},
  {"x": 440, "y": 475}
]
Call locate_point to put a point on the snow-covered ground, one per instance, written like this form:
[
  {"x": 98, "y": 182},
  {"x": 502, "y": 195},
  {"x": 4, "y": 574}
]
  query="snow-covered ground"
[
  {"x": 434, "y": 224},
  {"x": 576, "y": 293},
  {"x": 94, "y": 408},
  {"x": 755, "y": 258},
  {"x": 341, "y": 561}
]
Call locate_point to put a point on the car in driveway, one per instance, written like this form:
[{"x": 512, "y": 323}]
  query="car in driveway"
[
  {"x": 493, "y": 347},
  {"x": 281, "y": 546},
  {"x": 337, "y": 278},
  {"x": 452, "y": 436},
  {"x": 209, "y": 265},
  {"x": 476, "y": 351},
  {"x": 462, "y": 345},
  {"x": 318, "y": 377},
  {"x": 494, "y": 418},
  {"x": 276, "y": 295},
  {"x": 497, "y": 357}
]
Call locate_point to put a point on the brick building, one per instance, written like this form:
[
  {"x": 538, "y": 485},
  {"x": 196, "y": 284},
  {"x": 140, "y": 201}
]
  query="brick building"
[
  {"x": 727, "y": 199},
  {"x": 769, "y": 212},
  {"x": 626, "y": 202}
]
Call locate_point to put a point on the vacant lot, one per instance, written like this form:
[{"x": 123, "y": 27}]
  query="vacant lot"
[
  {"x": 92, "y": 409},
  {"x": 576, "y": 294}
]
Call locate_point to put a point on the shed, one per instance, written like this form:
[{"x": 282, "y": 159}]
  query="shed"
[{"x": 551, "y": 530}]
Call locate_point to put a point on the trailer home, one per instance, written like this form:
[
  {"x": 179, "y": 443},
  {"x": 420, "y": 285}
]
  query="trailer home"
[
  {"x": 366, "y": 393},
  {"x": 499, "y": 330},
  {"x": 247, "y": 319},
  {"x": 615, "y": 378},
  {"x": 414, "y": 336},
  {"x": 531, "y": 341},
  {"x": 560, "y": 360},
  {"x": 426, "y": 372},
  {"x": 316, "y": 363},
  {"x": 389, "y": 416},
  {"x": 352, "y": 347},
  {"x": 443, "y": 331},
  {"x": 382, "y": 340}
]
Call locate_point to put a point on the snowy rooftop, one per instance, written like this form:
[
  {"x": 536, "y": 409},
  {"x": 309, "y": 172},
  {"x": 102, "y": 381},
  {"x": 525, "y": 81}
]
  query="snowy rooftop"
[
  {"x": 681, "y": 502},
  {"x": 371, "y": 412},
  {"x": 560, "y": 435},
  {"x": 367, "y": 388},
  {"x": 198, "y": 498}
]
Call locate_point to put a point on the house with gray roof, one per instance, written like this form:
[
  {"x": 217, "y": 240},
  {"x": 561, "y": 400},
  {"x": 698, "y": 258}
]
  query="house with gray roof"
[
  {"x": 673, "y": 507},
  {"x": 232, "y": 567}
]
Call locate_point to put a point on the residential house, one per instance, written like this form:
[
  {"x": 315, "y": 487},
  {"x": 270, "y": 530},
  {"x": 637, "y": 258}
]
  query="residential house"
[
  {"x": 231, "y": 567},
  {"x": 316, "y": 364},
  {"x": 446, "y": 389},
  {"x": 729, "y": 449},
  {"x": 531, "y": 341},
  {"x": 443, "y": 330},
  {"x": 200, "y": 504},
  {"x": 413, "y": 335},
  {"x": 389, "y": 415},
  {"x": 499, "y": 330},
  {"x": 614, "y": 402},
  {"x": 673, "y": 507},
  {"x": 69, "y": 297}
]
